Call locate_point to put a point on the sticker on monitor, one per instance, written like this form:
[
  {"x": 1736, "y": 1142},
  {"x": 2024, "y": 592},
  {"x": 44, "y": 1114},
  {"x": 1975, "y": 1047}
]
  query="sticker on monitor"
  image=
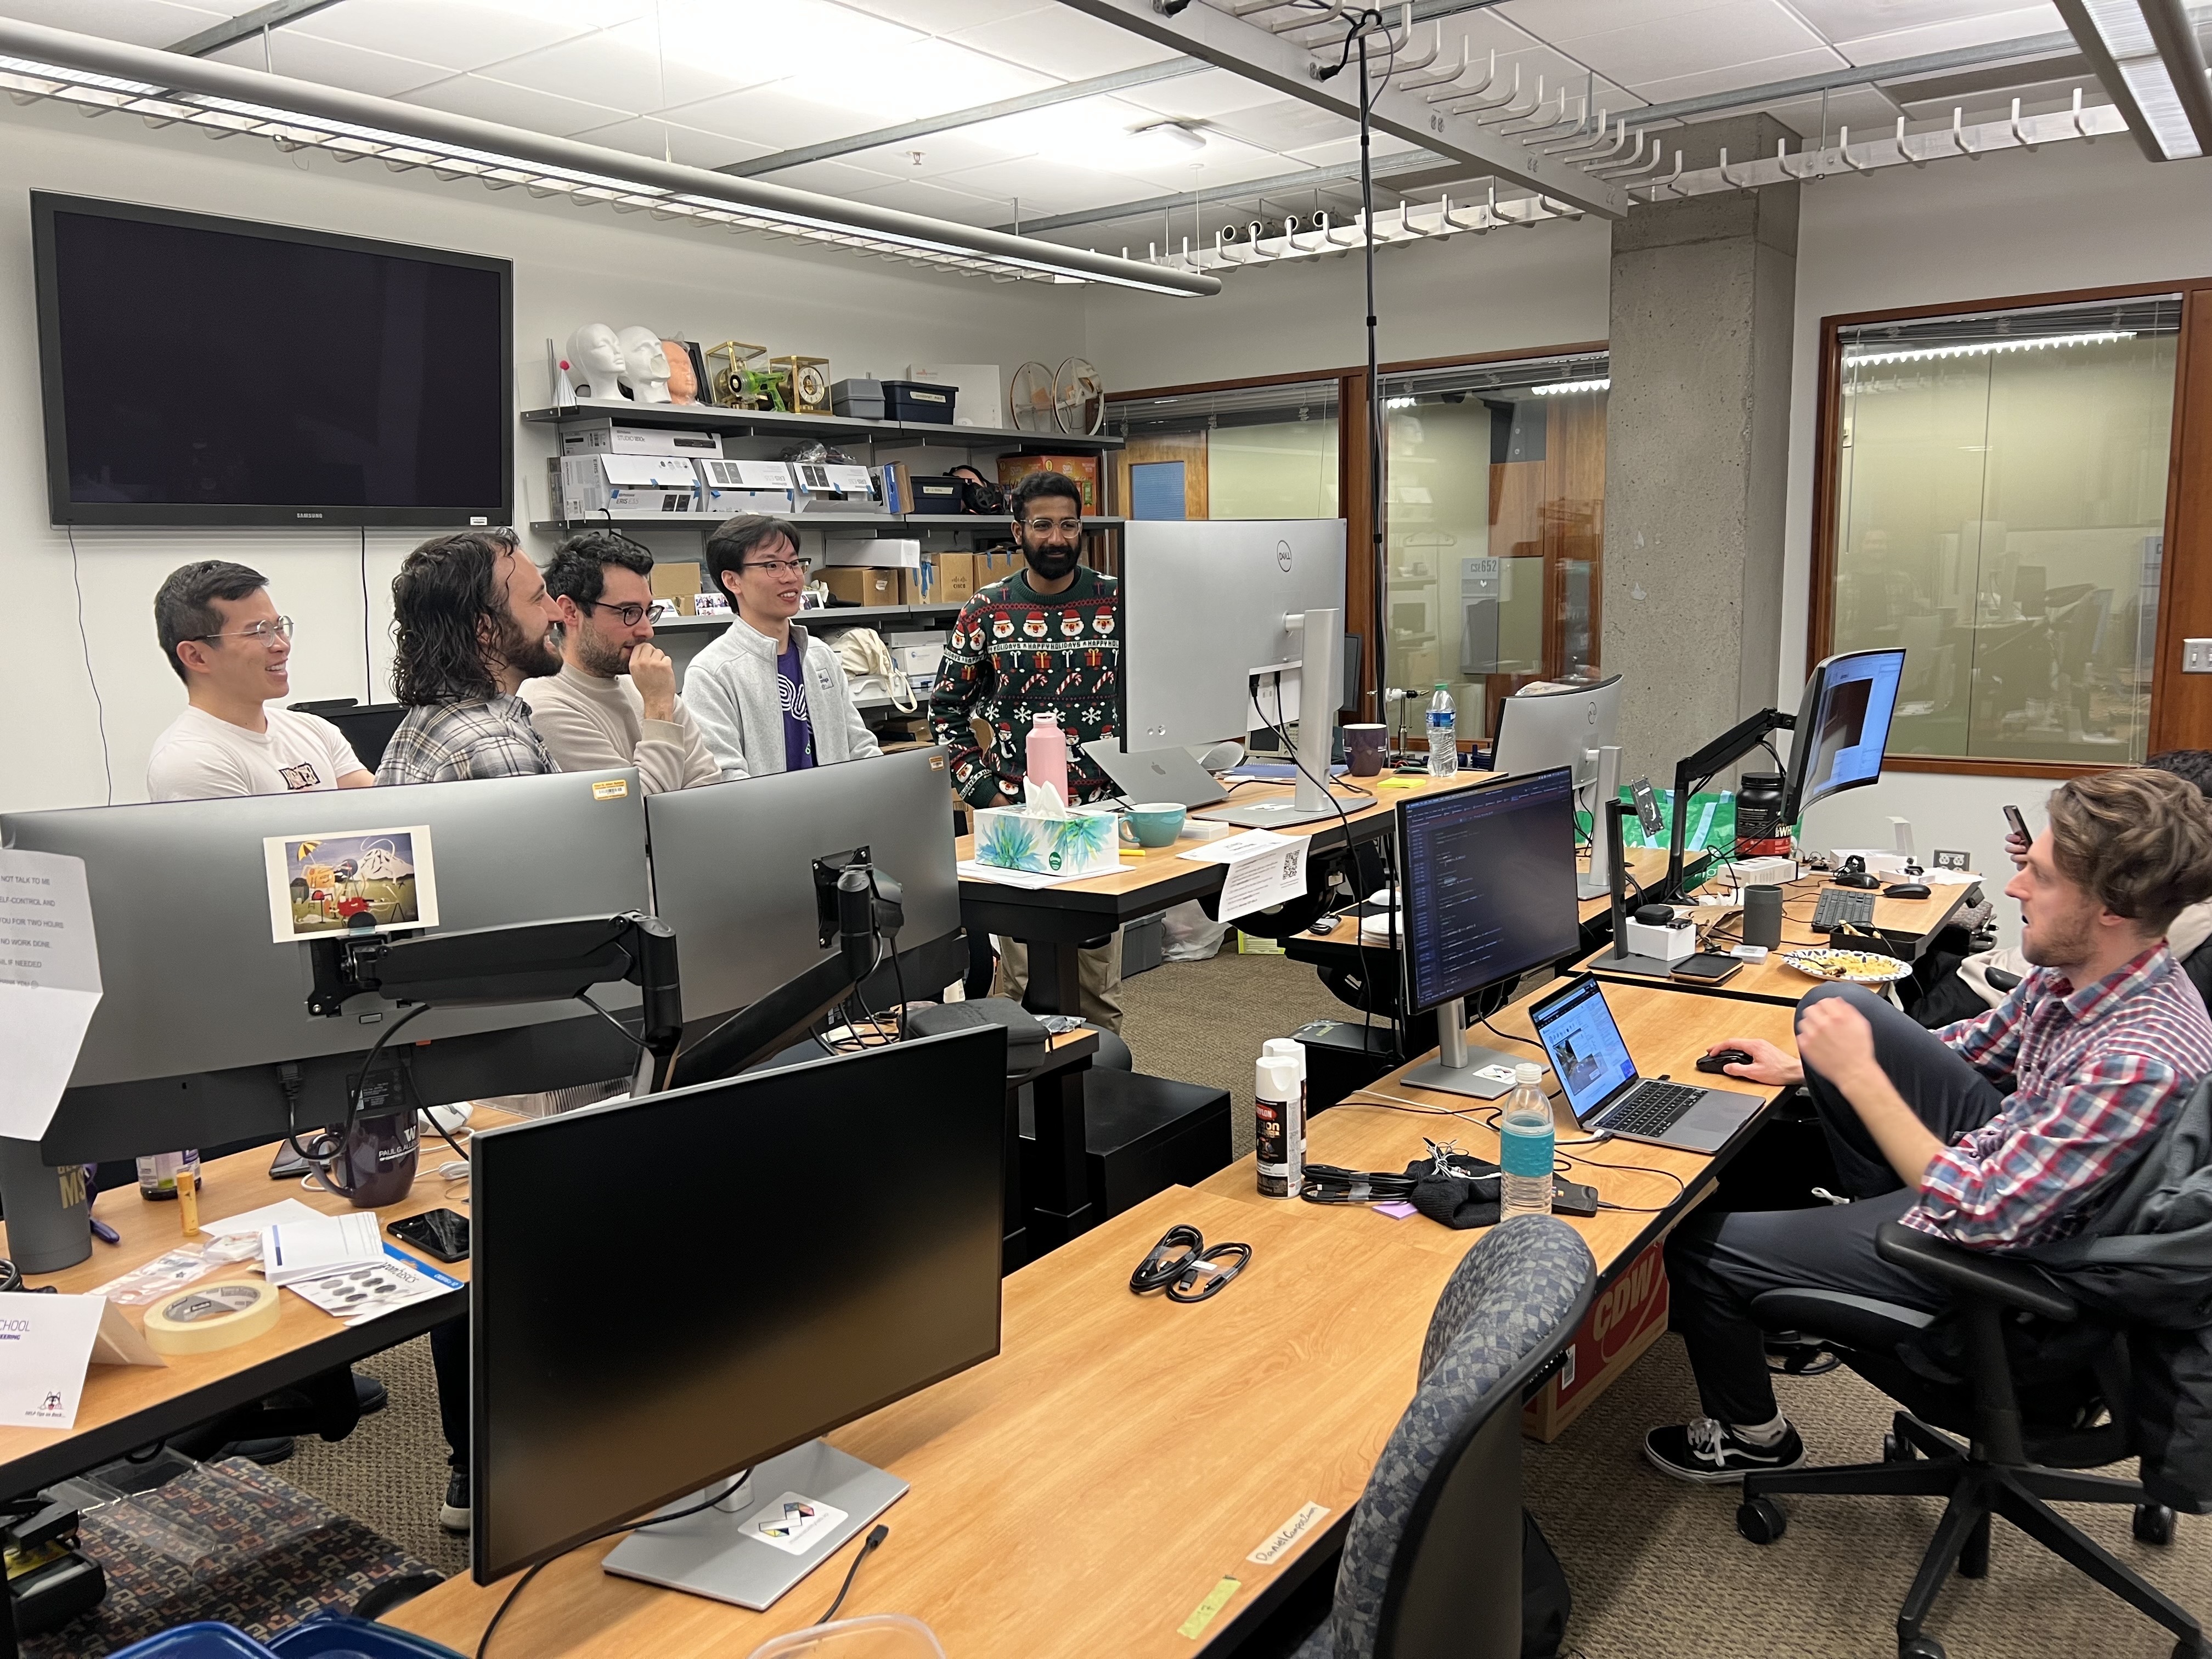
[{"x": 350, "y": 883}]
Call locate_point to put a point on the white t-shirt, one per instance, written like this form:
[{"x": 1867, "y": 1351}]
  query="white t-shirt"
[{"x": 200, "y": 757}]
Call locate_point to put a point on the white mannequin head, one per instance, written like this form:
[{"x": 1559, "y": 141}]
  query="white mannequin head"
[
  {"x": 595, "y": 364},
  {"x": 646, "y": 364}
]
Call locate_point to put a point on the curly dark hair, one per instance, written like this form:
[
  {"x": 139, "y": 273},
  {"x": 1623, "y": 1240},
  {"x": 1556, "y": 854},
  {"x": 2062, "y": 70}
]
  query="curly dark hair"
[
  {"x": 578, "y": 570},
  {"x": 2189, "y": 765},
  {"x": 2139, "y": 839},
  {"x": 445, "y": 603}
]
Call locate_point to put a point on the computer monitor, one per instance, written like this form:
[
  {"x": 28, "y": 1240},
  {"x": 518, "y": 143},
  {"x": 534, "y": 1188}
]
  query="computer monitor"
[
  {"x": 203, "y": 1035},
  {"x": 783, "y": 1299},
  {"x": 1842, "y": 728},
  {"x": 1543, "y": 726},
  {"x": 1487, "y": 875},
  {"x": 732, "y": 869}
]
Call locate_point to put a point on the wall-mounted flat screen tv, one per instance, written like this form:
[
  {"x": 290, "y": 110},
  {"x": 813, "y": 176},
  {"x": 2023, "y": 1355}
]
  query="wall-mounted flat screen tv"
[{"x": 205, "y": 371}]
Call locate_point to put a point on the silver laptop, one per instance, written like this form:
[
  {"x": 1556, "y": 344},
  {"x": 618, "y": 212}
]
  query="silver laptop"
[
  {"x": 1583, "y": 1043},
  {"x": 1155, "y": 774}
]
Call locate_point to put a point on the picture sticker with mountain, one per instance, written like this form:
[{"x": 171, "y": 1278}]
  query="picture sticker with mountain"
[{"x": 351, "y": 882}]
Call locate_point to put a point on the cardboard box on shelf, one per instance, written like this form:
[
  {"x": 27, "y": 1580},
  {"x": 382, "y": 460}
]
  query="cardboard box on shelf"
[
  {"x": 957, "y": 578},
  {"x": 860, "y": 584},
  {"x": 1082, "y": 469},
  {"x": 1620, "y": 1325},
  {"x": 680, "y": 581}
]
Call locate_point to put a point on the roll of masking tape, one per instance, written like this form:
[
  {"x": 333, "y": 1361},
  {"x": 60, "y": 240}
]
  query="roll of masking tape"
[{"x": 216, "y": 1316}]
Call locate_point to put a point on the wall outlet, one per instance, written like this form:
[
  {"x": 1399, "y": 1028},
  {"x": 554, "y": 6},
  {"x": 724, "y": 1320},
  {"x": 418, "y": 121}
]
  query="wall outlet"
[
  {"x": 2196, "y": 656},
  {"x": 1946, "y": 860}
]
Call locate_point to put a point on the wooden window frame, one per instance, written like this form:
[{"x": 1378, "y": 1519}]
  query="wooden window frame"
[
  {"x": 1352, "y": 480},
  {"x": 2180, "y": 712}
]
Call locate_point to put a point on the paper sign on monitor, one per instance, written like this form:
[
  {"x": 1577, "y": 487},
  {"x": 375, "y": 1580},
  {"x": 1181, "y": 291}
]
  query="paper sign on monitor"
[{"x": 49, "y": 984}]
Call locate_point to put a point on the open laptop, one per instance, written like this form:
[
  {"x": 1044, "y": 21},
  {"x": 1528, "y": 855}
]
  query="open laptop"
[
  {"x": 1583, "y": 1043},
  {"x": 1155, "y": 774}
]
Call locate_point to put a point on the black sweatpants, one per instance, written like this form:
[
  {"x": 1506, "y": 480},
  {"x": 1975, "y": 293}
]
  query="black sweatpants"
[
  {"x": 1716, "y": 1265},
  {"x": 449, "y": 1356}
]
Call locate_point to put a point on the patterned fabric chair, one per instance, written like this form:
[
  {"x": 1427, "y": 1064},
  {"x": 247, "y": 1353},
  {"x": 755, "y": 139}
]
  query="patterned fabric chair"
[{"x": 1432, "y": 1563}]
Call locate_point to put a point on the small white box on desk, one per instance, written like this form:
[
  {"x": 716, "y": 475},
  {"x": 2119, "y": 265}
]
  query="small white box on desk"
[{"x": 1665, "y": 944}]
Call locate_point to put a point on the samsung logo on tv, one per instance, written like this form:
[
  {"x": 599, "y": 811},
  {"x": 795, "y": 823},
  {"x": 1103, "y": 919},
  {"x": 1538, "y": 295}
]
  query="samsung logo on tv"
[{"x": 307, "y": 515}]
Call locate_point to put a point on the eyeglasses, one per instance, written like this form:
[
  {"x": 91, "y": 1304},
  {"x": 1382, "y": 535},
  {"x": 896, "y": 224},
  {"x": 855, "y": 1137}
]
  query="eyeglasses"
[
  {"x": 800, "y": 566},
  {"x": 631, "y": 615},
  {"x": 267, "y": 632},
  {"x": 1046, "y": 527},
  {"x": 1181, "y": 1265}
]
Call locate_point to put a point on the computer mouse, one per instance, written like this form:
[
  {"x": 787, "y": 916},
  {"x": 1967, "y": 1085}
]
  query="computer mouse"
[
  {"x": 1725, "y": 1057},
  {"x": 1907, "y": 890}
]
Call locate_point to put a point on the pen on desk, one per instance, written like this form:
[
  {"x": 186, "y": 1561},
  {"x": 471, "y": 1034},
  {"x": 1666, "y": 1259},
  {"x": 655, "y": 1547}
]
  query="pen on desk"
[{"x": 104, "y": 1233}]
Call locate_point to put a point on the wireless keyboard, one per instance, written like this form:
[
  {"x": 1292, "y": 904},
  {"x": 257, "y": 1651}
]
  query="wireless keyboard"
[
  {"x": 1839, "y": 905},
  {"x": 1652, "y": 1110}
]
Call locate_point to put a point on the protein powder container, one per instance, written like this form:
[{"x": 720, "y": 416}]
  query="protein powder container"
[
  {"x": 1279, "y": 1128},
  {"x": 1759, "y": 831}
]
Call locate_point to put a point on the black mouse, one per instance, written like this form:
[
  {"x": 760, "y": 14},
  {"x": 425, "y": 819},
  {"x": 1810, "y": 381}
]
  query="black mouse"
[
  {"x": 1714, "y": 1062},
  {"x": 1907, "y": 890}
]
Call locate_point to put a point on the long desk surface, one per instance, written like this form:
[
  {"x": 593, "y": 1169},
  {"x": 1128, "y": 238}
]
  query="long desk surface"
[{"x": 1082, "y": 1492}]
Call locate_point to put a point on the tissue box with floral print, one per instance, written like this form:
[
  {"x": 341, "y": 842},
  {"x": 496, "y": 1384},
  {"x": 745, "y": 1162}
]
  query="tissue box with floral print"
[{"x": 1086, "y": 842}]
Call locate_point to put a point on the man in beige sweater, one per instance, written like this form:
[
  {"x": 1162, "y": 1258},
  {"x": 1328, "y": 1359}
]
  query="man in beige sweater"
[{"x": 614, "y": 701}]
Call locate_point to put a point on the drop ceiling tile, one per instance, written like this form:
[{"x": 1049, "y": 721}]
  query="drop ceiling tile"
[
  {"x": 1707, "y": 82},
  {"x": 2017, "y": 24},
  {"x": 1207, "y": 95},
  {"x": 649, "y": 136},
  {"x": 946, "y": 16},
  {"x": 1868, "y": 113},
  {"x": 1286, "y": 124},
  {"x": 490, "y": 100},
  {"x": 838, "y": 177},
  {"x": 917, "y": 78},
  {"x": 941, "y": 153},
  {"x": 1045, "y": 186},
  {"x": 767, "y": 117},
  {"x": 625, "y": 68},
  {"x": 1561, "y": 20},
  {"x": 1711, "y": 38},
  {"x": 937, "y": 201},
  {"x": 1063, "y": 44},
  {"x": 1853, "y": 20},
  {"x": 355, "y": 68},
  {"x": 463, "y": 34},
  {"x": 1341, "y": 150},
  {"x": 141, "y": 22}
]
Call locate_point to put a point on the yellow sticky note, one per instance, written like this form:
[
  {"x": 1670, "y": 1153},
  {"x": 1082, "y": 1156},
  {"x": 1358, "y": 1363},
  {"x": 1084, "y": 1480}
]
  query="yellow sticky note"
[
  {"x": 1202, "y": 1615},
  {"x": 1400, "y": 783}
]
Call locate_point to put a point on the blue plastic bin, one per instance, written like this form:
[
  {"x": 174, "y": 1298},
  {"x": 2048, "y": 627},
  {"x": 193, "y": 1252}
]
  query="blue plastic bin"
[
  {"x": 201, "y": 1641},
  {"x": 338, "y": 1636}
]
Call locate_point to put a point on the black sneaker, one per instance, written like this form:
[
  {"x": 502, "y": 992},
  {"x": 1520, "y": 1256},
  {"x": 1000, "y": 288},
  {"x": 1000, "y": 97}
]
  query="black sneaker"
[
  {"x": 453, "y": 1513},
  {"x": 1710, "y": 1452}
]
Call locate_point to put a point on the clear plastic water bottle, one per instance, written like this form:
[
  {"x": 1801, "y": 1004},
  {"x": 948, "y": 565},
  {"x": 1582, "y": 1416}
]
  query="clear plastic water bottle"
[
  {"x": 1443, "y": 734},
  {"x": 1525, "y": 1137}
]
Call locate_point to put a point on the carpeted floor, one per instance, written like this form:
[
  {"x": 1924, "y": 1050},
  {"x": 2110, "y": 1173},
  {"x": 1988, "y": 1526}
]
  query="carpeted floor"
[{"x": 1656, "y": 1568}]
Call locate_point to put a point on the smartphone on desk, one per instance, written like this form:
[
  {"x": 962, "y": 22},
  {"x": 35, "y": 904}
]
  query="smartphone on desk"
[{"x": 441, "y": 1233}]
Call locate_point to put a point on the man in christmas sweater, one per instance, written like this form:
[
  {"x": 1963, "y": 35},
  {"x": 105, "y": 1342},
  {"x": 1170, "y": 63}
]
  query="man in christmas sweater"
[{"x": 1046, "y": 638}]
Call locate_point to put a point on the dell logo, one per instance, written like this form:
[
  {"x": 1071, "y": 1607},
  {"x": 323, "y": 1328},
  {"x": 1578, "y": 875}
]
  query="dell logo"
[{"x": 1283, "y": 554}]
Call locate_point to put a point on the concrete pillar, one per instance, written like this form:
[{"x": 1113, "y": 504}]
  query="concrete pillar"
[{"x": 1696, "y": 443}]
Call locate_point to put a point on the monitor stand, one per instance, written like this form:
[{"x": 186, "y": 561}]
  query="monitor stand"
[
  {"x": 1321, "y": 664},
  {"x": 1482, "y": 1074},
  {"x": 1628, "y": 962},
  {"x": 717, "y": 1553}
]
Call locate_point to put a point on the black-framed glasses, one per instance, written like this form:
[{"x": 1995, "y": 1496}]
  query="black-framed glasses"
[
  {"x": 267, "y": 633},
  {"x": 802, "y": 566},
  {"x": 631, "y": 615},
  {"x": 1046, "y": 527},
  {"x": 1185, "y": 1267}
]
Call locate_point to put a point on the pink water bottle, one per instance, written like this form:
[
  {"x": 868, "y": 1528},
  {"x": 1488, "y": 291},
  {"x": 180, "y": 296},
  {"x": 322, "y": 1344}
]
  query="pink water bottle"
[{"x": 1047, "y": 756}]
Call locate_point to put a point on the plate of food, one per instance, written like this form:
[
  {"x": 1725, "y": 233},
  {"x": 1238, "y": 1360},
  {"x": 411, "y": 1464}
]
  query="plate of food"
[{"x": 1850, "y": 967}]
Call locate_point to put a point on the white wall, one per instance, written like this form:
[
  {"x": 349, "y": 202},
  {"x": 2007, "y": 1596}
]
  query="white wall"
[{"x": 571, "y": 266}]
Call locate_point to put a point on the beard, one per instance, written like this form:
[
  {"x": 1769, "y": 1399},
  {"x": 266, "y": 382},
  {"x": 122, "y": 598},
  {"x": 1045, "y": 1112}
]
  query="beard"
[
  {"x": 533, "y": 655},
  {"x": 597, "y": 657},
  {"x": 2055, "y": 945},
  {"x": 1051, "y": 563}
]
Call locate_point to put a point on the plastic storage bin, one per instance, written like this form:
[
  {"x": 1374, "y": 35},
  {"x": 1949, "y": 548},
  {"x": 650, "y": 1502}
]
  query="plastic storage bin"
[
  {"x": 920, "y": 400},
  {"x": 858, "y": 399},
  {"x": 876, "y": 1635},
  {"x": 199, "y": 1641},
  {"x": 336, "y": 1636}
]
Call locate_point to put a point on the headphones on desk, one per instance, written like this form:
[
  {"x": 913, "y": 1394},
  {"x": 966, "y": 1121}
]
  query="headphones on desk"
[{"x": 1854, "y": 874}]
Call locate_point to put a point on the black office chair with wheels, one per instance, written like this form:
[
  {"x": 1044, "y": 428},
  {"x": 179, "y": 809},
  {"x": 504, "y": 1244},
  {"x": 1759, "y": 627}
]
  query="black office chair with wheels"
[
  {"x": 1432, "y": 1566},
  {"x": 2037, "y": 1410}
]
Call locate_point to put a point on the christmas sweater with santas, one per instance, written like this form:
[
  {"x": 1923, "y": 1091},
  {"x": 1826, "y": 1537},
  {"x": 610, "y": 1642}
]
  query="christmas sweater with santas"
[{"x": 1016, "y": 654}]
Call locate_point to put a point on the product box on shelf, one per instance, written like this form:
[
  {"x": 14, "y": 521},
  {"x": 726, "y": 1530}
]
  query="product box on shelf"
[
  {"x": 956, "y": 578},
  {"x": 837, "y": 487},
  {"x": 1087, "y": 842},
  {"x": 1082, "y": 470},
  {"x": 606, "y": 436},
  {"x": 919, "y": 400},
  {"x": 883, "y": 552},
  {"x": 739, "y": 486},
  {"x": 624, "y": 486},
  {"x": 859, "y": 585},
  {"x": 678, "y": 580}
]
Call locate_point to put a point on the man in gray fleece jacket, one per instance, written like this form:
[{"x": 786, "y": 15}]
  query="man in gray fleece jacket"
[{"x": 769, "y": 697}]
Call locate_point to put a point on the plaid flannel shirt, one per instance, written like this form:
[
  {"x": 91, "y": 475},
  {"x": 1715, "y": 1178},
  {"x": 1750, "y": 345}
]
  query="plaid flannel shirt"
[
  {"x": 440, "y": 743},
  {"x": 2100, "y": 1071}
]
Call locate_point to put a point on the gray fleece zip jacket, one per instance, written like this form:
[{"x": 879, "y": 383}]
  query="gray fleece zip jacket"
[{"x": 731, "y": 690}]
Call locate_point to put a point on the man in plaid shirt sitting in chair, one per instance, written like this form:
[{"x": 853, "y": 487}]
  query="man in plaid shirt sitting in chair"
[{"x": 2106, "y": 1037}]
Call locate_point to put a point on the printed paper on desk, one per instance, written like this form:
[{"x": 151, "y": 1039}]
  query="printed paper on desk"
[
  {"x": 49, "y": 984},
  {"x": 1264, "y": 875},
  {"x": 46, "y": 1343}
]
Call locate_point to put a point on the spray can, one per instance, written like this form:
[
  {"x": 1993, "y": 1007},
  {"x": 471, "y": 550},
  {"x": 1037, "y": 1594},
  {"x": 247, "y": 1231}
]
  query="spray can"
[
  {"x": 1291, "y": 1050},
  {"x": 1279, "y": 1128}
]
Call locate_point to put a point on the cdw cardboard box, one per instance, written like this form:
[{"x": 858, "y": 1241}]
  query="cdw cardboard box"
[{"x": 1620, "y": 1325}]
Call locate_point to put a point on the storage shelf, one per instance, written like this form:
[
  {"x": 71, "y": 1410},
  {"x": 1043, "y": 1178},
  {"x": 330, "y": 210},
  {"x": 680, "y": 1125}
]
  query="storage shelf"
[
  {"x": 887, "y": 522},
  {"x": 839, "y": 616},
  {"x": 769, "y": 424}
]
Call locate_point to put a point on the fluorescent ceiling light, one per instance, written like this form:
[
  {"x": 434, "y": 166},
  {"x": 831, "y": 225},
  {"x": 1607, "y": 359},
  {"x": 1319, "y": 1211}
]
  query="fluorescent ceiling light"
[
  {"x": 1983, "y": 347},
  {"x": 221, "y": 99},
  {"x": 1171, "y": 136},
  {"x": 1560, "y": 388},
  {"x": 2147, "y": 56}
]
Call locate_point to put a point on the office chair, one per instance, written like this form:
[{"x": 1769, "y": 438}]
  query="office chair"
[
  {"x": 1432, "y": 1565},
  {"x": 2026, "y": 1436}
]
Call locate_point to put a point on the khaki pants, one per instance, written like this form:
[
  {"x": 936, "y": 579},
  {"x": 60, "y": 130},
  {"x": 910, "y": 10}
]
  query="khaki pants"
[{"x": 1099, "y": 969}]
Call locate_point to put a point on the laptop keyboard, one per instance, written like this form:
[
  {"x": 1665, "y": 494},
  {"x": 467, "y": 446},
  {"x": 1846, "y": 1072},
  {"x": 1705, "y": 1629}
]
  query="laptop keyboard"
[
  {"x": 1838, "y": 905},
  {"x": 1652, "y": 1110}
]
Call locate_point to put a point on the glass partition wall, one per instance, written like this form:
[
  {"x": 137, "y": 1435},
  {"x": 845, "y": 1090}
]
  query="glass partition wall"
[
  {"x": 1999, "y": 510},
  {"x": 1495, "y": 528},
  {"x": 1261, "y": 452}
]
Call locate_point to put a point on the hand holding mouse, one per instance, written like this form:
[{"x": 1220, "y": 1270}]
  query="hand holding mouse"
[{"x": 1762, "y": 1063}]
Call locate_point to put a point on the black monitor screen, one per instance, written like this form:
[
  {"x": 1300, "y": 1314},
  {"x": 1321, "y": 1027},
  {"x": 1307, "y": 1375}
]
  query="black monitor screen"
[
  {"x": 202, "y": 371},
  {"x": 668, "y": 1290},
  {"x": 1843, "y": 726},
  {"x": 1490, "y": 883}
]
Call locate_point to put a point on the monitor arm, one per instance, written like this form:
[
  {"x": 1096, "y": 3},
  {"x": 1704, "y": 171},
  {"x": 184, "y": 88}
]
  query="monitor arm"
[
  {"x": 527, "y": 962},
  {"x": 1722, "y": 752}
]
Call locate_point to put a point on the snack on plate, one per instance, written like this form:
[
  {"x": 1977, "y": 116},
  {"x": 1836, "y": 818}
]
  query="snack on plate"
[{"x": 1853, "y": 967}]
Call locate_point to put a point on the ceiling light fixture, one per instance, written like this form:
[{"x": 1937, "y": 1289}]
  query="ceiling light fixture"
[
  {"x": 2147, "y": 56},
  {"x": 1182, "y": 134},
  {"x": 1983, "y": 347},
  {"x": 96, "y": 76},
  {"x": 1560, "y": 388}
]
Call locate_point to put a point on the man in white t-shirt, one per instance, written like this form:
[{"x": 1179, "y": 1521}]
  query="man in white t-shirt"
[{"x": 222, "y": 634}]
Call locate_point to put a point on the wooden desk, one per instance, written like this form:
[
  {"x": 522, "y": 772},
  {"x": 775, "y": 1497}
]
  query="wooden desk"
[
  {"x": 127, "y": 1407},
  {"x": 1906, "y": 925},
  {"x": 1646, "y": 866},
  {"x": 1081, "y": 1493},
  {"x": 1665, "y": 1034}
]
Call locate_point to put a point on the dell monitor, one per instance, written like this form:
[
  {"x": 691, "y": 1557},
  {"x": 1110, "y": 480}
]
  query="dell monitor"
[
  {"x": 1842, "y": 728},
  {"x": 1546, "y": 725},
  {"x": 784, "y": 1300},
  {"x": 1487, "y": 875}
]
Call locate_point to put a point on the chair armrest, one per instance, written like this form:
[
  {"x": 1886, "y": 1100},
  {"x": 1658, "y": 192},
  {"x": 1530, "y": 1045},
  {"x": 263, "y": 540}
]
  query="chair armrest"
[{"x": 1972, "y": 1272}]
